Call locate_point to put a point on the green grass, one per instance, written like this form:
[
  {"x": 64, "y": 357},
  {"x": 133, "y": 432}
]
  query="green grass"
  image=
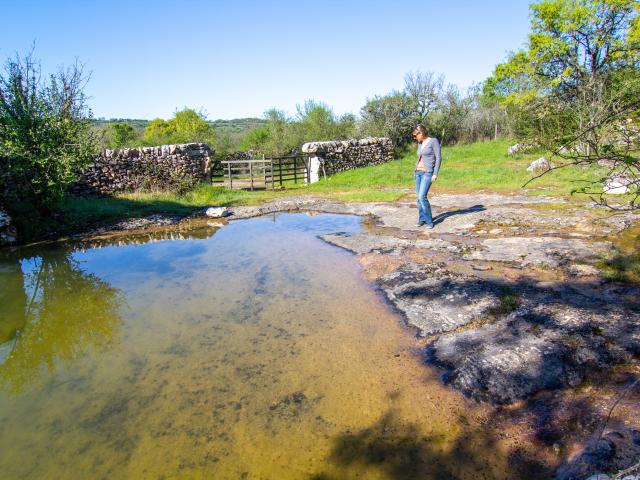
[{"x": 481, "y": 167}]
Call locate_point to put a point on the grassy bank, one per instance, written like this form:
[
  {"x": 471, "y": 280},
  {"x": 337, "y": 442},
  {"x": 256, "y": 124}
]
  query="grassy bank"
[{"x": 482, "y": 167}]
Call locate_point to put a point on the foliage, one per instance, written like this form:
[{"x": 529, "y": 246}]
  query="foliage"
[
  {"x": 575, "y": 89},
  {"x": 449, "y": 114},
  {"x": 44, "y": 133},
  {"x": 187, "y": 125},
  {"x": 390, "y": 116},
  {"x": 121, "y": 135},
  {"x": 281, "y": 135}
]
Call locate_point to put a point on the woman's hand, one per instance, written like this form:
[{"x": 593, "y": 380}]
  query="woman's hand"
[{"x": 434, "y": 178}]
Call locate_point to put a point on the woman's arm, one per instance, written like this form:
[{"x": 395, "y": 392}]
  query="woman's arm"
[{"x": 438, "y": 154}]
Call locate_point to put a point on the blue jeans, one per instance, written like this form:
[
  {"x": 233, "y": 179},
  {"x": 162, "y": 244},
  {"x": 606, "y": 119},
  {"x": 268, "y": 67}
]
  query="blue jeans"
[{"x": 423, "y": 183}]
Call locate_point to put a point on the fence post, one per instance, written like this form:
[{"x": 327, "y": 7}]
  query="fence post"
[
  {"x": 251, "y": 173},
  {"x": 230, "y": 177},
  {"x": 280, "y": 170},
  {"x": 273, "y": 187},
  {"x": 295, "y": 172}
]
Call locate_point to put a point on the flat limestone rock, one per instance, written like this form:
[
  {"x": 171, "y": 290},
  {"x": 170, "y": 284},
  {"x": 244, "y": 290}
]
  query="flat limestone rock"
[
  {"x": 361, "y": 244},
  {"x": 552, "y": 340},
  {"x": 434, "y": 300},
  {"x": 551, "y": 251}
]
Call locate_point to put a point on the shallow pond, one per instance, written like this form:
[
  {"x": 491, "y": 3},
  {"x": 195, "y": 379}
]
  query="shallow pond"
[{"x": 252, "y": 351}]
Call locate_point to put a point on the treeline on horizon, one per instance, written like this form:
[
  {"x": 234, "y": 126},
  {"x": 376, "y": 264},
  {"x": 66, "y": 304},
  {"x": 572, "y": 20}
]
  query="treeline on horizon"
[{"x": 451, "y": 114}]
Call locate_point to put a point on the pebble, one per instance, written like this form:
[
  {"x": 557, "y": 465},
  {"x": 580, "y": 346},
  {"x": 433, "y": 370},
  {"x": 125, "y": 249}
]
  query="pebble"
[{"x": 482, "y": 268}]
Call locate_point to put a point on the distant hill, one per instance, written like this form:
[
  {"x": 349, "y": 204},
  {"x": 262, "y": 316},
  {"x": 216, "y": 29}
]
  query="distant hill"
[
  {"x": 237, "y": 125},
  {"x": 233, "y": 127}
]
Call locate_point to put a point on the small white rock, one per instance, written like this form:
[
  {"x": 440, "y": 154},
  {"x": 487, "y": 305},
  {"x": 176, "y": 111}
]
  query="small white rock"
[
  {"x": 540, "y": 164},
  {"x": 217, "y": 212}
]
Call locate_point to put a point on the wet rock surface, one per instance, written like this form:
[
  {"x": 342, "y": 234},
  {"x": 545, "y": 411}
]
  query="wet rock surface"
[{"x": 616, "y": 451}]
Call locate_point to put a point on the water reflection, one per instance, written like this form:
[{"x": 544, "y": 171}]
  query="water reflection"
[
  {"x": 51, "y": 311},
  {"x": 190, "y": 229}
]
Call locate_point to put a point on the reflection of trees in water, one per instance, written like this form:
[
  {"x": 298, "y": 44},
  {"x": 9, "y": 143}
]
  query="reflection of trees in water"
[
  {"x": 57, "y": 313},
  {"x": 195, "y": 229}
]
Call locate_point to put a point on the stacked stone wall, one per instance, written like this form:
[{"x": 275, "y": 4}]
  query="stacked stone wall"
[
  {"x": 166, "y": 167},
  {"x": 338, "y": 156}
]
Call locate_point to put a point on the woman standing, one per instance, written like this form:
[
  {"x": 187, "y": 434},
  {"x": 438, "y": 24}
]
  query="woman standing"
[{"x": 427, "y": 168}]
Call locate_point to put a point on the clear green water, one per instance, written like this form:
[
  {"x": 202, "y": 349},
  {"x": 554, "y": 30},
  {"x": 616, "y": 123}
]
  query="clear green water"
[{"x": 251, "y": 351}]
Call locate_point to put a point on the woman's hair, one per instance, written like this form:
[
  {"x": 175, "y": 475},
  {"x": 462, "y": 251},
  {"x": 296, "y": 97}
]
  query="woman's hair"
[{"x": 422, "y": 129}]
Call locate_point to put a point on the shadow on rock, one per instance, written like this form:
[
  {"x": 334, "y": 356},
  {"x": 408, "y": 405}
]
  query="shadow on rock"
[
  {"x": 402, "y": 451},
  {"x": 552, "y": 339},
  {"x": 443, "y": 216}
]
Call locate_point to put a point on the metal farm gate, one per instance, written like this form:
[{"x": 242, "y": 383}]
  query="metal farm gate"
[{"x": 266, "y": 173}]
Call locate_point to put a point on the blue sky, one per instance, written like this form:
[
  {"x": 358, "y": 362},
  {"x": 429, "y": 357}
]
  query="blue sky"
[{"x": 238, "y": 58}]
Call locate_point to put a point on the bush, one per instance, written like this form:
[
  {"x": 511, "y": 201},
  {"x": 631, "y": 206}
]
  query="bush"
[{"x": 45, "y": 134}]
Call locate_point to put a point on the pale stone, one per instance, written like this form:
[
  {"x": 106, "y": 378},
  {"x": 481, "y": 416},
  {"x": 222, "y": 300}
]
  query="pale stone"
[
  {"x": 617, "y": 186},
  {"x": 216, "y": 212},
  {"x": 540, "y": 164}
]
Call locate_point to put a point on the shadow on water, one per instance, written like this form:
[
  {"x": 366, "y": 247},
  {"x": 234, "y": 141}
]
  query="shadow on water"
[
  {"x": 399, "y": 451},
  {"x": 443, "y": 216},
  {"x": 40, "y": 326}
]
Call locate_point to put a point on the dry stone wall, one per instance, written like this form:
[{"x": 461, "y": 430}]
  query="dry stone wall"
[
  {"x": 327, "y": 158},
  {"x": 166, "y": 167}
]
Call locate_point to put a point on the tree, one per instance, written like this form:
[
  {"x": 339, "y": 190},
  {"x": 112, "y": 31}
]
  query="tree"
[
  {"x": 191, "y": 126},
  {"x": 389, "y": 116},
  {"x": 187, "y": 125},
  {"x": 121, "y": 135},
  {"x": 425, "y": 90},
  {"x": 575, "y": 89},
  {"x": 158, "y": 132},
  {"x": 45, "y": 136}
]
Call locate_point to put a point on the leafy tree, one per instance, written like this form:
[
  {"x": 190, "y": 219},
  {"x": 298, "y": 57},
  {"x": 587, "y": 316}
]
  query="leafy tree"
[
  {"x": 45, "y": 134},
  {"x": 187, "y": 125},
  {"x": 577, "y": 83},
  {"x": 121, "y": 135},
  {"x": 158, "y": 132},
  {"x": 255, "y": 139},
  {"x": 191, "y": 126},
  {"x": 390, "y": 116}
]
